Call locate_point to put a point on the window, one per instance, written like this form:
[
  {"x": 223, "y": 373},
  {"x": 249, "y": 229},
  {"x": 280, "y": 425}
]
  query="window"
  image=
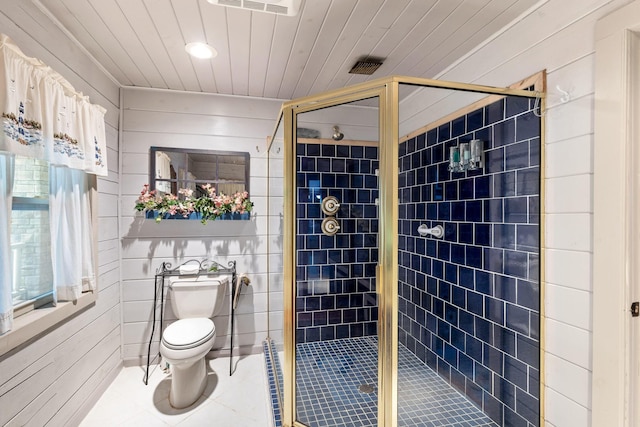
[
  {"x": 32, "y": 276},
  {"x": 176, "y": 168}
]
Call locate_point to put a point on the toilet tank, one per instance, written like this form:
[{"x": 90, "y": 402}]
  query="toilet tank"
[{"x": 198, "y": 297}]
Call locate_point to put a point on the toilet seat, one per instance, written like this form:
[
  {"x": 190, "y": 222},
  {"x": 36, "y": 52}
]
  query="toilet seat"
[{"x": 185, "y": 334}]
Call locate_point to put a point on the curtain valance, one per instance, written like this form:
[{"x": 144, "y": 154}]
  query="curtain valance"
[{"x": 44, "y": 117}]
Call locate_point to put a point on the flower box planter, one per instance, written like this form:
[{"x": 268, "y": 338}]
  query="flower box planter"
[{"x": 197, "y": 216}]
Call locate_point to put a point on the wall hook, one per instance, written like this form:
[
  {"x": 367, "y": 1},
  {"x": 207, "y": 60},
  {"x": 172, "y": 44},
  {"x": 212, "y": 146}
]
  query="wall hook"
[{"x": 566, "y": 96}]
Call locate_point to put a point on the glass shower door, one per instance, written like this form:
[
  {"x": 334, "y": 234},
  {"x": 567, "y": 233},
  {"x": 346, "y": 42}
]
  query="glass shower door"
[{"x": 336, "y": 250}]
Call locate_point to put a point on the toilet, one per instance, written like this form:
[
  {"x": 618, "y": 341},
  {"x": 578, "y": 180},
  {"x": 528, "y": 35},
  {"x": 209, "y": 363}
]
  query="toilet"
[{"x": 186, "y": 342}]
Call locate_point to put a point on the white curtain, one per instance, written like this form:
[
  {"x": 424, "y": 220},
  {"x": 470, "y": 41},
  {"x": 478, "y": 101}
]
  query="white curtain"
[
  {"x": 71, "y": 233},
  {"x": 6, "y": 278}
]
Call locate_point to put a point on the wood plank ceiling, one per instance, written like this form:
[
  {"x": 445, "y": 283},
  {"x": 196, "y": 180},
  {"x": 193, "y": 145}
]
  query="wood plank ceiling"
[{"x": 141, "y": 42}]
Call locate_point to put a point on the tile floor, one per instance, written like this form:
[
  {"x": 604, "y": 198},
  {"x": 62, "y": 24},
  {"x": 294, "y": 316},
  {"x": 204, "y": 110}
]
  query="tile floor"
[
  {"x": 239, "y": 400},
  {"x": 330, "y": 393}
]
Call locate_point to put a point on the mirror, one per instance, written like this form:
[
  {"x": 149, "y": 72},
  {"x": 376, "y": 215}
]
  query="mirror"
[{"x": 172, "y": 169}]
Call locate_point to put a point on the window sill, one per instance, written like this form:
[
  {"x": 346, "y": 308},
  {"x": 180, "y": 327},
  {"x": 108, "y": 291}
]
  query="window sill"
[{"x": 36, "y": 322}]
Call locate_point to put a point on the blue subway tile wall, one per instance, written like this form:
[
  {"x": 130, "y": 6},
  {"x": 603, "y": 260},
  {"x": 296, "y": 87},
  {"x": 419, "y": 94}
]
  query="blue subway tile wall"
[
  {"x": 469, "y": 303},
  {"x": 335, "y": 275}
]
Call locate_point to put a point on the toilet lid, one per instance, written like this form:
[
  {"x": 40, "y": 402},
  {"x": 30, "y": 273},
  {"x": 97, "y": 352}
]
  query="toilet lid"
[{"x": 188, "y": 333}]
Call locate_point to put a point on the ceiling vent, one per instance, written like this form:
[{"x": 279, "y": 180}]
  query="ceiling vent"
[
  {"x": 366, "y": 66},
  {"x": 280, "y": 7}
]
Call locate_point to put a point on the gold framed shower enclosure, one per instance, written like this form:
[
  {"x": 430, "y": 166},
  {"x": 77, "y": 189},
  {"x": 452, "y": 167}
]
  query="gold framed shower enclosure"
[{"x": 387, "y": 91}]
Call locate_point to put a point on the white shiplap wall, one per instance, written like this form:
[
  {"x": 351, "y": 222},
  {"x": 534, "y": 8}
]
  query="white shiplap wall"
[
  {"x": 559, "y": 37},
  {"x": 193, "y": 120},
  {"x": 57, "y": 377}
]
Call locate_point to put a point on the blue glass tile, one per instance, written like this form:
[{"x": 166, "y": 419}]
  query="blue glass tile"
[
  {"x": 465, "y": 233},
  {"x": 437, "y": 153},
  {"x": 493, "y": 359},
  {"x": 494, "y": 160},
  {"x": 484, "y": 330},
  {"x": 451, "y": 190},
  {"x": 504, "y": 184},
  {"x": 301, "y": 149},
  {"x": 527, "y": 126},
  {"x": 494, "y": 112},
  {"x": 323, "y": 165},
  {"x": 474, "y": 348},
  {"x": 459, "y": 296},
  {"x": 466, "y": 189},
  {"x": 327, "y": 333},
  {"x": 357, "y": 181},
  {"x": 483, "y": 234},
  {"x": 493, "y": 259},
  {"x": 466, "y": 277},
  {"x": 312, "y": 303},
  {"x": 338, "y": 165},
  {"x": 493, "y": 210},
  {"x": 466, "y": 322},
  {"x": 486, "y": 135},
  {"x": 534, "y": 267},
  {"x": 437, "y": 268},
  {"x": 504, "y": 133},
  {"x": 516, "y": 105},
  {"x": 527, "y": 406},
  {"x": 352, "y": 166},
  {"x": 474, "y": 256},
  {"x": 505, "y": 288},
  {"x": 494, "y": 408},
  {"x": 517, "y": 319},
  {"x": 328, "y": 150},
  {"x": 304, "y": 320},
  {"x": 458, "y": 254},
  {"x": 534, "y": 152},
  {"x": 451, "y": 355},
  {"x": 319, "y": 318},
  {"x": 504, "y": 236},
  {"x": 465, "y": 365},
  {"x": 528, "y": 238},
  {"x": 432, "y": 137},
  {"x": 444, "y": 132},
  {"x": 458, "y": 127},
  {"x": 438, "y": 192},
  {"x": 494, "y": 310},
  {"x": 365, "y": 166},
  {"x": 475, "y": 303},
  {"x": 513, "y": 419},
  {"x": 484, "y": 282},
  {"x": 450, "y": 275},
  {"x": 517, "y": 156},
  {"x": 357, "y": 152},
  {"x": 421, "y": 141},
  {"x": 528, "y": 294},
  {"x": 432, "y": 173},
  {"x": 504, "y": 339},
  {"x": 515, "y": 210},
  {"x": 308, "y": 164},
  {"x": 327, "y": 242},
  {"x": 304, "y": 258},
  {"x": 483, "y": 186},
  {"x": 342, "y": 331},
  {"x": 516, "y": 264},
  {"x": 328, "y": 180},
  {"x": 343, "y": 151},
  {"x": 483, "y": 377},
  {"x": 444, "y": 211},
  {"x": 528, "y": 181},
  {"x": 457, "y": 211},
  {"x": 534, "y": 210},
  {"x": 528, "y": 351},
  {"x": 534, "y": 383},
  {"x": 371, "y": 153},
  {"x": 474, "y": 211},
  {"x": 475, "y": 120},
  {"x": 312, "y": 334}
]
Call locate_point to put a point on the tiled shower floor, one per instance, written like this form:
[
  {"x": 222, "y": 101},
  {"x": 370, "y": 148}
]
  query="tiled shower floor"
[{"x": 331, "y": 373}]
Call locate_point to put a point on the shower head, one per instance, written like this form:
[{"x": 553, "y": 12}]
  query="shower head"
[{"x": 337, "y": 135}]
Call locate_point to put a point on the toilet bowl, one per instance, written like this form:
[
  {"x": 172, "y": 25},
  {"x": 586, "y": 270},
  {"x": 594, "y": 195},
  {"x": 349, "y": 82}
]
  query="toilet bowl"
[{"x": 186, "y": 342}]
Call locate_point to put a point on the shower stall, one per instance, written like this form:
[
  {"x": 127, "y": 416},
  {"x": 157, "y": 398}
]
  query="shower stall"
[{"x": 405, "y": 254}]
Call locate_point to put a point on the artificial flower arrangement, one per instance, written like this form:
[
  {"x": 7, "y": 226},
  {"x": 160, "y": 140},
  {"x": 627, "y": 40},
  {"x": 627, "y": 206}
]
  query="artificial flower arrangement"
[{"x": 209, "y": 207}]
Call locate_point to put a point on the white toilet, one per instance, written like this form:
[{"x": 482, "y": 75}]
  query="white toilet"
[{"x": 186, "y": 342}]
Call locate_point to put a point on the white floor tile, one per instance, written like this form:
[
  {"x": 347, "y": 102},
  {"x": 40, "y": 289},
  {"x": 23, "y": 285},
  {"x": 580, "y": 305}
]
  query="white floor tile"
[{"x": 239, "y": 400}]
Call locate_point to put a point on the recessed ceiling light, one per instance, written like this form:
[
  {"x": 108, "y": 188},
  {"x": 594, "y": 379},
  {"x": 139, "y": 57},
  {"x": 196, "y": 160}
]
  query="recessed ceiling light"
[{"x": 200, "y": 50}]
